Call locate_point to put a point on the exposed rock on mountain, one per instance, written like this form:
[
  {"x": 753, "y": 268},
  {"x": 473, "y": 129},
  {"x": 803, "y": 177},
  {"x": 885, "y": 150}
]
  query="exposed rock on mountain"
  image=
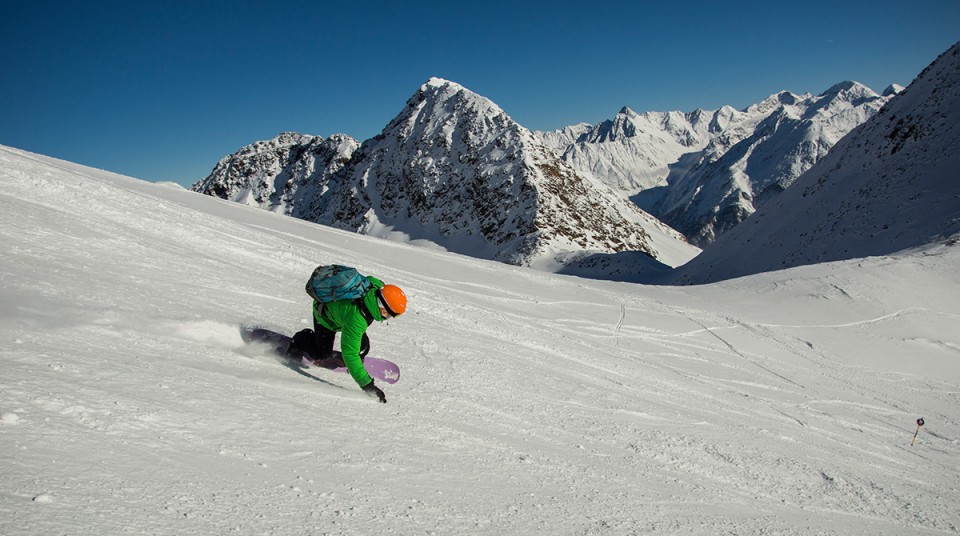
[
  {"x": 454, "y": 169},
  {"x": 281, "y": 174}
]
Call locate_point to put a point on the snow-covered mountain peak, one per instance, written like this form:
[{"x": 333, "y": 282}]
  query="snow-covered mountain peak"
[
  {"x": 439, "y": 82},
  {"x": 438, "y": 110},
  {"x": 846, "y": 85},
  {"x": 892, "y": 89},
  {"x": 848, "y": 93},
  {"x": 723, "y": 118},
  {"x": 775, "y": 101},
  {"x": 441, "y": 90}
]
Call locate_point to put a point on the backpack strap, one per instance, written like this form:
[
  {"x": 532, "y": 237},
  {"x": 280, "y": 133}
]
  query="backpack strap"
[
  {"x": 318, "y": 309},
  {"x": 363, "y": 310}
]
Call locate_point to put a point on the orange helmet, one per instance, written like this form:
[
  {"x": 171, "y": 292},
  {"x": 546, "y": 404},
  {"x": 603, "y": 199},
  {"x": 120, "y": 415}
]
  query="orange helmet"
[{"x": 392, "y": 299}]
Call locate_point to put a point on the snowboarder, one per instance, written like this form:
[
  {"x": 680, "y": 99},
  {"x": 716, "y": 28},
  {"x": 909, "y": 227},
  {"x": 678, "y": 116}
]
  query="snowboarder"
[{"x": 350, "y": 318}]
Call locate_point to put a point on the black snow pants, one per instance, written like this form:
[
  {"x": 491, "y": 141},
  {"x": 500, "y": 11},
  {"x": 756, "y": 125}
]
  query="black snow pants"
[{"x": 317, "y": 343}]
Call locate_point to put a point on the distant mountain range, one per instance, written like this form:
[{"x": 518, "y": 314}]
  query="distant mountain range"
[
  {"x": 890, "y": 185},
  {"x": 703, "y": 172},
  {"x": 454, "y": 170}
]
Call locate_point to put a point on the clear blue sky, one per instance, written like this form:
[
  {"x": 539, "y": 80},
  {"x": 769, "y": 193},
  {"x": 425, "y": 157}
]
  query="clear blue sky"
[{"x": 161, "y": 90}]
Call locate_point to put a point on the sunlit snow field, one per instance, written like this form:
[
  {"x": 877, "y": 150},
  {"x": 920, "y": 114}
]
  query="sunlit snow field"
[{"x": 529, "y": 403}]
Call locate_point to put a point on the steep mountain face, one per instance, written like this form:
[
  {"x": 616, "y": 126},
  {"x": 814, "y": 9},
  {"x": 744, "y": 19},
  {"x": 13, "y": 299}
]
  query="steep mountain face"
[
  {"x": 704, "y": 172},
  {"x": 281, "y": 174},
  {"x": 453, "y": 169},
  {"x": 890, "y": 185}
]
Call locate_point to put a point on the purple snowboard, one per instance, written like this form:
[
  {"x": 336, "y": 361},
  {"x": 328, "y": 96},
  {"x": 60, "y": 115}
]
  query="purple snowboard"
[{"x": 378, "y": 368}]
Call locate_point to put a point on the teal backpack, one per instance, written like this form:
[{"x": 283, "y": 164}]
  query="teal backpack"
[{"x": 330, "y": 283}]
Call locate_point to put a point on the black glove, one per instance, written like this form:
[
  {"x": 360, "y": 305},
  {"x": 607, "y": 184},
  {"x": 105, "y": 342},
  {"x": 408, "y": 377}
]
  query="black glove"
[{"x": 373, "y": 390}]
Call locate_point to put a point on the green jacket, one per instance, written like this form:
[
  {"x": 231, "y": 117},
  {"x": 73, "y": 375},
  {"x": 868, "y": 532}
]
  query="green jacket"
[{"x": 345, "y": 317}]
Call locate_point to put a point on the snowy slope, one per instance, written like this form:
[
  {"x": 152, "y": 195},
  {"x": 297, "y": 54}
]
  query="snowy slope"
[
  {"x": 892, "y": 184},
  {"x": 530, "y": 403}
]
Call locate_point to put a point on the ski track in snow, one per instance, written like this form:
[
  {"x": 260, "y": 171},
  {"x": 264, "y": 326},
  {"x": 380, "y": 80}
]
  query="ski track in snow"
[{"x": 530, "y": 403}]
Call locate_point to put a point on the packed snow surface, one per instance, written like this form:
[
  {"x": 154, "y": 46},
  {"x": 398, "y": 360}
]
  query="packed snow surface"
[{"x": 530, "y": 403}]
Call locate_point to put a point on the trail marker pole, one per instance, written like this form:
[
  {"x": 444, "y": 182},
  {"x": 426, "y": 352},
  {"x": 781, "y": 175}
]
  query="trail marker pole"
[{"x": 919, "y": 424}]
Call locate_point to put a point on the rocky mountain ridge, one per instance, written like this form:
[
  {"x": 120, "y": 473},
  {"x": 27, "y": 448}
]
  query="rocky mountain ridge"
[{"x": 452, "y": 169}]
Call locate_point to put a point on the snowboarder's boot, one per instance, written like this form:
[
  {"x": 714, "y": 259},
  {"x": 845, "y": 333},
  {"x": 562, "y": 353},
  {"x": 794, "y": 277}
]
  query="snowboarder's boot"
[{"x": 301, "y": 344}]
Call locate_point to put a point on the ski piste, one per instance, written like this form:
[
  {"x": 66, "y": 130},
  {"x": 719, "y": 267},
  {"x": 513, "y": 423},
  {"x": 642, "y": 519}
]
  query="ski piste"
[{"x": 378, "y": 368}]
